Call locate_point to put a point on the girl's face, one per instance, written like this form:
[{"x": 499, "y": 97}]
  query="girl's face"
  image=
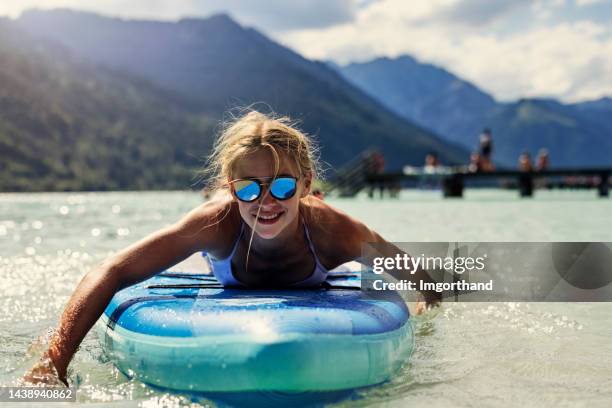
[{"x": 267, "y": 216}]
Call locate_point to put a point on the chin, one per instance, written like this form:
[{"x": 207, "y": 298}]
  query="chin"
[
  {"x": 266, "y": 234},
  {"x": 269, "y": 231}
]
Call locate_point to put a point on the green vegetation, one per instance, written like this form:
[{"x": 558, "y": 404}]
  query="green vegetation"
[
  {"x": 68, "y": 125},
  {"x": 218, "y": 65},
  {"x": 146, "y": 115}
]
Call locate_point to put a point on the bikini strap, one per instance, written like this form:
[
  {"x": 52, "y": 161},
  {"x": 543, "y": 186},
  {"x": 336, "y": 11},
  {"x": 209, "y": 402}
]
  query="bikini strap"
[
  {"x": 231, "y": 255},
  {"x": 310, "y": 244}
]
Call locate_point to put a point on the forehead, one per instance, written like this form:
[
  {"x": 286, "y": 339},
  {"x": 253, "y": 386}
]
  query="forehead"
[{"x": 260, "y": 164}]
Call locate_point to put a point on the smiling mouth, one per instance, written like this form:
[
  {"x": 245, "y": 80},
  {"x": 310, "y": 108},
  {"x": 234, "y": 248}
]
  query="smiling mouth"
[{"x": 268, "y": 218}]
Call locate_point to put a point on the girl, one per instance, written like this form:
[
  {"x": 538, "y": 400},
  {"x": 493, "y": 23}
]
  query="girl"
[{"x": 262, "y": 228}]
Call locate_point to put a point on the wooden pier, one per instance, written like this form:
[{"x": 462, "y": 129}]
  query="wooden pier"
[
  {"x": 364, "y": 173},
  {"x": 453, "y": 180}
]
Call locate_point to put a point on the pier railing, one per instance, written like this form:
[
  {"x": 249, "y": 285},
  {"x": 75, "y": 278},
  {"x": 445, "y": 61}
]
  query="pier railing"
[{"x": 353, "y": 177}]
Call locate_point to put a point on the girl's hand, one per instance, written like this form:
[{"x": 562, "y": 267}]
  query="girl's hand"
[
  {"x": 425, "y": 303},
  {"x": 43, "y": 373}
]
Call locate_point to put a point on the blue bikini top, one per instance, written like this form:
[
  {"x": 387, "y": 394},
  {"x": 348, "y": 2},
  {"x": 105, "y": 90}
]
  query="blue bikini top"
[{"x": 222, "y": 268}]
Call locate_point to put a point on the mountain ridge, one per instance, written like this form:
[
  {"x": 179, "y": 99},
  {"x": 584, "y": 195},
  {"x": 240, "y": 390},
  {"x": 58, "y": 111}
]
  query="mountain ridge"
[
  {"x": 437, "y": 99},
  {"x": 245, "y": 66}
]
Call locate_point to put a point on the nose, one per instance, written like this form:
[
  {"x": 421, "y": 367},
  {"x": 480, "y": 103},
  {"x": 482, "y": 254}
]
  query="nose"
[{"x": 266, "y": 198}]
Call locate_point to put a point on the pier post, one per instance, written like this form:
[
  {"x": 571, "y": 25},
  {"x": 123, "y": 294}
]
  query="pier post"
[
  {"x": 525, "y": 185},
  {"x": 603, "y": 184},
  {"x": 452, "y": 186}
]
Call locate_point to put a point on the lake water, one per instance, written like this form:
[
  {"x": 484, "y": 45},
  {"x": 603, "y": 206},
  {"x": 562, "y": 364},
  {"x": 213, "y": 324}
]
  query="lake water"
[{"x": 467, "y": 354}]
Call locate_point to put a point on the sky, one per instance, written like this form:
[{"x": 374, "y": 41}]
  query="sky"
[{"x": 509, "y": 48}]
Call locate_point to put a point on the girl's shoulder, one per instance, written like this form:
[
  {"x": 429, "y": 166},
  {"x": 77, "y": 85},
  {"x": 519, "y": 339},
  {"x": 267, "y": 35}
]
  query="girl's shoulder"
[
  {"x": 217, "y": 208},
  {"x": 337, "y": 236},
  {"x": 216, "y": 222},
  {"x": 321, "y": 214}
]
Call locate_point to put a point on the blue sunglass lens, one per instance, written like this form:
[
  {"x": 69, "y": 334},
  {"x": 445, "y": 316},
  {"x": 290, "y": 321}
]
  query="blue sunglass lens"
[
  {"x": 247, "y": 190},
  {"x": 283, "y": 188}
]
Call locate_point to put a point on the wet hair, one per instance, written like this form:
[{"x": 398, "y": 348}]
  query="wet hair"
[{"x": 254, "y": 131}]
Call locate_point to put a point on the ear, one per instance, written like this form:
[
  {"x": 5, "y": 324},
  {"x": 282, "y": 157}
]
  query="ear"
[
  {"x": 230, "y": 190},
  {"x": 307, "y": 185}
]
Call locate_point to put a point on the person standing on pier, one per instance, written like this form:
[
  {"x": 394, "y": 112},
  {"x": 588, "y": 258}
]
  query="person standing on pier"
[
  {"x": 486, "y": 151},
  {"x": 542, "y": 160},
  {"x": 542, "y": 165},
  {"x": 432, "y": 163},
  {"x": 524, "y": 162},
  {"x": 475, "y": 165}
]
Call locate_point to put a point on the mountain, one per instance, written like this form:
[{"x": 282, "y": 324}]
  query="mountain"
[
  {"x": 598, "y": 105},
  {"x": 426, "y": 94},
  {"x": 66, "y": 124},
  {"x": 572, "y": 138},
  {"x": 218, "y": 64},
  {"x": 575, "y": 135},
  {"x": 598, "y": 111}
]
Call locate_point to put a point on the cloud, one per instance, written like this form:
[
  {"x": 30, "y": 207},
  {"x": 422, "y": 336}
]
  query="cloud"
[
  {"x": 582, "y": 3},
  {"x": 277, "y": 15},
  {"x": 271, "y": 15},
  {"x": 512, "y": 49},
  {"x": 480, "y": 12},
  {"x": 546, "y": 62},
  {"x": 524, "y": 51}
]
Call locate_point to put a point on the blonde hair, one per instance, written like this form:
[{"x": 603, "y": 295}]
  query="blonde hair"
[{"x": 252, "y": 132}]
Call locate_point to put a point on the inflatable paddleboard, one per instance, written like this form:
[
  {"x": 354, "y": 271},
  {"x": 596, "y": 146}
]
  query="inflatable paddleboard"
[{"x": 186, "y": 332}]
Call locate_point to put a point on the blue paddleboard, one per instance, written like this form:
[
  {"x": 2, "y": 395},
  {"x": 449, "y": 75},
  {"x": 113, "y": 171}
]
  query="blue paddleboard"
[{"x": 186, "y": 332}]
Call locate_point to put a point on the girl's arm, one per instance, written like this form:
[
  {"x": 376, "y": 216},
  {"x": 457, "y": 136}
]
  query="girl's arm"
[
  {"x": 357, "y": 234},
  {"x": 196, "y": 231},
  {"x": 386, "y": 249}
]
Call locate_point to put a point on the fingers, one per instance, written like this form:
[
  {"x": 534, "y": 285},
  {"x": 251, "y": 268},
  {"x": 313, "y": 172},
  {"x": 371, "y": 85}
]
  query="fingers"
[
  {"x": 43, "y": 373},
  {"x": 421, "y": 307}
]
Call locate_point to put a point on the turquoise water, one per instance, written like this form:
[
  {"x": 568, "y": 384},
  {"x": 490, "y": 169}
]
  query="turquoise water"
[{"x": 536, "y": 354}]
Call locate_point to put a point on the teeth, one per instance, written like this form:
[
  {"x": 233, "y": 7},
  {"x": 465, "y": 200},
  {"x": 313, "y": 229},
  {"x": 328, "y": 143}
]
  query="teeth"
[{"x": 268, "y": 217}]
